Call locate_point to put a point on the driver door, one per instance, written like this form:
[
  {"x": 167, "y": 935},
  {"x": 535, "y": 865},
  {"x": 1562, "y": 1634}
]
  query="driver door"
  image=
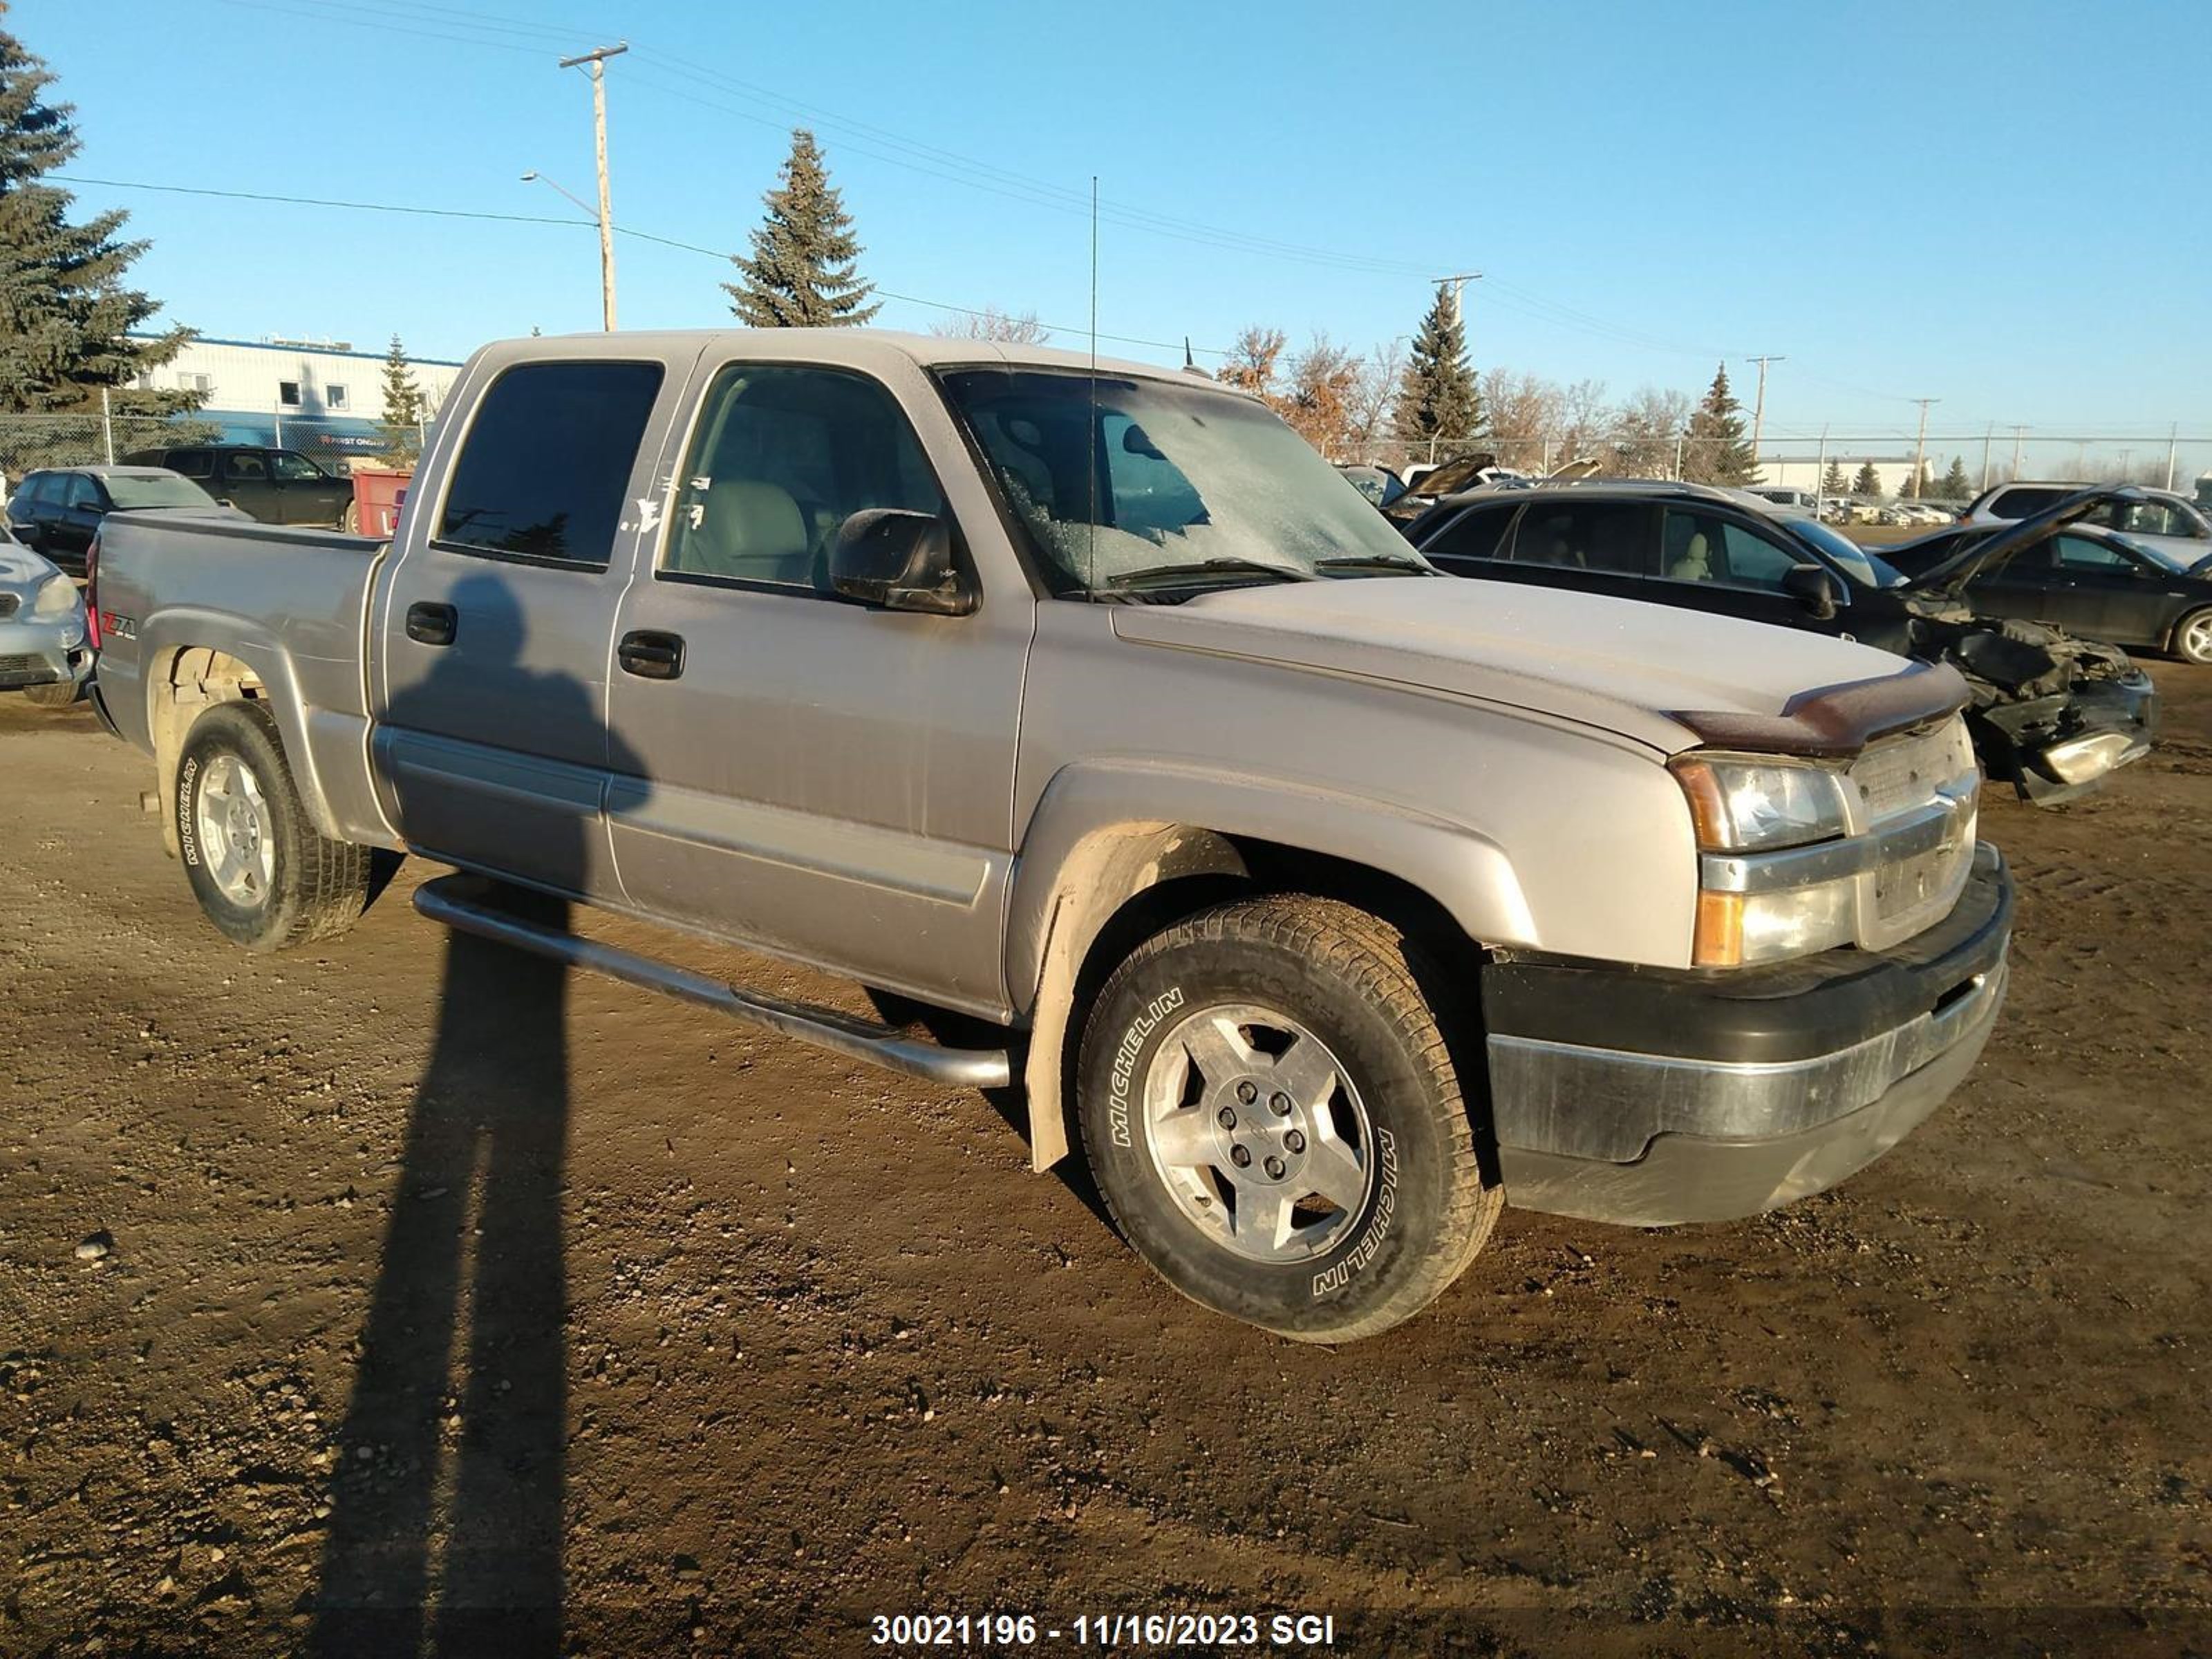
[{"x": 831, "y": 781}]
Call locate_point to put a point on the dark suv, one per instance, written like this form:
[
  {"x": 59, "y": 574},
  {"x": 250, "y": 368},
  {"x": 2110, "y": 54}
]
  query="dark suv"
[
  {"x": 276, "y": 486},
  {"x": 56, "y": 510},
  {"x": 2051, "y": 714}
]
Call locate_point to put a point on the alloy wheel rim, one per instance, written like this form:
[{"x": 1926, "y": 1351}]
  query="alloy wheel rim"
[
  {"x": 2197, "y": 643},
  {"x": 233, "y": 819},
  {"x": 1258, "y": 1133}
]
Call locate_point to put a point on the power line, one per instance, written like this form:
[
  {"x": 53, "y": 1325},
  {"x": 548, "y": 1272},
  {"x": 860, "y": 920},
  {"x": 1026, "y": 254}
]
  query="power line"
[{"x": 411, "y": 209}]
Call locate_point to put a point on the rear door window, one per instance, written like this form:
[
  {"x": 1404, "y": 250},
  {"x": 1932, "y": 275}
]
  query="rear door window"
[
  {"x": 2026, "y": 500},
  {"x": 547, "y": 461},
  {"x": 84, "y": 494},
  {"x": 1606, "y": 537},
  {"x": 193, "y": 462}
]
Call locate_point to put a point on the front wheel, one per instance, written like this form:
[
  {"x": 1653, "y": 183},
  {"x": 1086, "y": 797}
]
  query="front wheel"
[
  {"x": 1275, "y": 1122},
  {"x": 54, "y": 694},
  {"x": 2192, "y": 637},
  {"x": 263, "y": 874}
]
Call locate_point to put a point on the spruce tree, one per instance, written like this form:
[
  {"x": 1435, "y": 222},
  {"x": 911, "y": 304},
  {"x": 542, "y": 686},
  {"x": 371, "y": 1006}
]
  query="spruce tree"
[
  {"x": 1833, "y": 481},
  {"x": 1716, "y": 451},
  {"x": 1868, "y": 482},
  {"x": 800, "y": 274},
  {"x": 65, "y": 315},
  {"x": 1439, "y": 407},
  {"x": 399, "y": 433},
  {"x": 1955, "y": 486}
]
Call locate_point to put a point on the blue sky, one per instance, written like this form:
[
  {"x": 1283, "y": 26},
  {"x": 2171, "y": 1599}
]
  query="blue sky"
[{"x": 2008, "y": 206}]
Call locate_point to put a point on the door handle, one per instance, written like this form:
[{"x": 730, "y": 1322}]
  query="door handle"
[
  {"x": 651, "y": 655},
  {"x": 432, "y": 624}
]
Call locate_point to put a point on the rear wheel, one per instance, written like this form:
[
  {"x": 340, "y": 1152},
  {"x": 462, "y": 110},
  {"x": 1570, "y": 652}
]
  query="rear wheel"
[
  {"x": 350, "y": 519},
  {"x": 2192, "y": 637},
  {"x": 259, "y": 869},
  {"x": 1275, "y": 1121}
]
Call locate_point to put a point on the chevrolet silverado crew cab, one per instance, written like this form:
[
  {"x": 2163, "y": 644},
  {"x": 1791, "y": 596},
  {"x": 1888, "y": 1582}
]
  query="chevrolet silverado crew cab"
[{"x": 1329, "y": 904}]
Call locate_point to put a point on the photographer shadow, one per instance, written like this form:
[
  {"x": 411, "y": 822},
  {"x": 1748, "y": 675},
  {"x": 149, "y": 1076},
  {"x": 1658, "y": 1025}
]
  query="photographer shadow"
[{"x": 446, "y": 1530}]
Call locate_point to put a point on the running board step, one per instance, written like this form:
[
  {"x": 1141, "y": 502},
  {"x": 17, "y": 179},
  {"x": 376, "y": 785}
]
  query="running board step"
[{"x": 455, "y": 901}]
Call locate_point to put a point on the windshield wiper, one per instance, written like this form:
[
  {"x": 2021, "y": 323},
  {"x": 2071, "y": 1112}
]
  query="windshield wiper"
[
  {"x": 1377, "y": 561},
  {"x": 1191, "y": 575}
]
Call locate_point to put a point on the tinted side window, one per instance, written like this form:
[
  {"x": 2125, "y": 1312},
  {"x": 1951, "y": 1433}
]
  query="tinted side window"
[
  {"x": 782, "y": 457},
  {"x": 294, "y": 469},
  {"x": 1607, "y": 537},
  {"x": 193, "y": 462},
  {"x": 2022, "y": 503},
  {"x": 33, "y": 490},
  {"x": 245, "y": 468},
  {"x": 1473, "y": 535},
  {"x": 2080, "y": 553},
  {"x": 548, "y": 460},
  {"x": 82, "y": 493}
]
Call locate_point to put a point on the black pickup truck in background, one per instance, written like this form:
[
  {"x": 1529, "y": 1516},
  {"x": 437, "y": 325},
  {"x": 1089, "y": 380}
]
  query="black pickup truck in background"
[{"x": 276, "y": 486}]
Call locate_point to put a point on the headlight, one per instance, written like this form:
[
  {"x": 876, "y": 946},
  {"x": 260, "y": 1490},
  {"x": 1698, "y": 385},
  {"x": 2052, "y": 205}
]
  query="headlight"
[
  {"x": 57, "y": 598},
  {"x": 1744, "y": 805}
]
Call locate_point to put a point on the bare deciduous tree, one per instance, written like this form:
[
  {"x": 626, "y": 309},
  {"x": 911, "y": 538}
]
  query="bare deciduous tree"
[
  {"x": 992, "y": 324},
  {"x": 1252, "y": 361},
  {"x": 1373, "y": 391}
]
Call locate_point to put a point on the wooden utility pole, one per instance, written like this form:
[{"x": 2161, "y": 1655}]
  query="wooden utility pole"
[
  {"x": 2016, "y": 431},
  {"x": 1920, "y": 444},
  {"x": 597, "y": 60},
  {"x": 1759, "y": 405}
]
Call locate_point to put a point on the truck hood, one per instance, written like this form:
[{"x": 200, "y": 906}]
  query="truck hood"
[{"x": 1620, "y": 665}]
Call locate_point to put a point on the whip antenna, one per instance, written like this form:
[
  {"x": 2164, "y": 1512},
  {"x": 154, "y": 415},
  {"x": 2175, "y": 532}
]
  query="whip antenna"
[{"x": 1093, "y": 577}]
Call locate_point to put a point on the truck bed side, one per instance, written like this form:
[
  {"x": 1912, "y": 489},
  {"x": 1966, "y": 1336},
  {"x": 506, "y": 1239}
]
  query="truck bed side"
[{"x": 198, "y": 609}]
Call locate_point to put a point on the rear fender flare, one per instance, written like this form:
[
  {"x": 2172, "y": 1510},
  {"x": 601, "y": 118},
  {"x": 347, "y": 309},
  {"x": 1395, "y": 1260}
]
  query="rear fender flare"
[{"x": 169, "y": 647}]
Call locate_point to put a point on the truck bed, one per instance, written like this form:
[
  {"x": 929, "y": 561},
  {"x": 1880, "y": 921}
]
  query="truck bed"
[{"x": 288, "y": 603}]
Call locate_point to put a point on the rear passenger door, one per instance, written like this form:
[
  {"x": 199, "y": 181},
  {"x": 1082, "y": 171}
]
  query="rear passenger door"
[
  {"x": 494, "y": 624},
  {"x": 827, "y": 778},
  {"x": 243, "y": 479},
  {"x": 307, "y": 495}
]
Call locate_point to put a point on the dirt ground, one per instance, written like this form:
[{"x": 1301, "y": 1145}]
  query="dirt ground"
[{"x": 448, "y": 1304}]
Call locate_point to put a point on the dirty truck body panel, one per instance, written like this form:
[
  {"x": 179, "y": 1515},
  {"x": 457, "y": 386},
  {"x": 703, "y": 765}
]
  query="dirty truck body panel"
[{"x": 615, "y": 651}]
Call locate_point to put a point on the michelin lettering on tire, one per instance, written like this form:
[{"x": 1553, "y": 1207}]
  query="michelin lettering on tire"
[
  {"x": 1386, "y": 1206},
  {"x": 1125, "y": 1059},
  {"x": 186, "y": 773}
]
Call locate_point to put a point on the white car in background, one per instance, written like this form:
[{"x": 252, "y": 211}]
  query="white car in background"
[{"x": 2165, "y": 522}]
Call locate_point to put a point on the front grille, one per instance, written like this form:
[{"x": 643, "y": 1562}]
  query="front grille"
[
  {"x": 21, "y": 665},
  {"x": 1899, "y": 780}
]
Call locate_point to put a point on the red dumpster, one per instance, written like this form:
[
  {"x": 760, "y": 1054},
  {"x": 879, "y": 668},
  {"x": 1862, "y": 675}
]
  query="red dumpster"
[{"x": 378, "y": 494}]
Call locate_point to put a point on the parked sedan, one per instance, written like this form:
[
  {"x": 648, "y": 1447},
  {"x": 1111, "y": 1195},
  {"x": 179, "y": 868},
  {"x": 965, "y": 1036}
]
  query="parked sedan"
[
  {"x": 2052, "y": 715},
  {"x": 276, "y": 486},
  {"x": 2087, "y": 579},
  {"x": 44, "y": 653},
  {"x": 58, "y": 511}
]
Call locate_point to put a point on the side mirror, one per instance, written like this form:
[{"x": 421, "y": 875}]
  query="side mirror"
[
  {"x": 1814, "y": 588},
  {"x": 901, "y": 561}
]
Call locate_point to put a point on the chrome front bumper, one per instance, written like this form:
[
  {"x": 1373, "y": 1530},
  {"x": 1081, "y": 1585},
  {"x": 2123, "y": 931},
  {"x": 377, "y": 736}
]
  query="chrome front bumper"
[{"x": 1714, "y": 1103}]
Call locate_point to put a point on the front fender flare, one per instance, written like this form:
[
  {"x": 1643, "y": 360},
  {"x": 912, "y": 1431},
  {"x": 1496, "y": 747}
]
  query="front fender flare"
[{"x": 1103, "y": 833}]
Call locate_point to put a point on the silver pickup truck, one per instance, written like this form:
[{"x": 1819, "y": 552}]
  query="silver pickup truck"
[{"x": 1329, "y": 903}]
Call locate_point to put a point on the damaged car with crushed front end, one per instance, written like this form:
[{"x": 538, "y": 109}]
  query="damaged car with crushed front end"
[{"x": 2052, "y": 715}]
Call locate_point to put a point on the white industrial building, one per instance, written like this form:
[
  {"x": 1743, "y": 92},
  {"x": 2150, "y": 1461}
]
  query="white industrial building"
[{"x": 314, "y": 395}]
